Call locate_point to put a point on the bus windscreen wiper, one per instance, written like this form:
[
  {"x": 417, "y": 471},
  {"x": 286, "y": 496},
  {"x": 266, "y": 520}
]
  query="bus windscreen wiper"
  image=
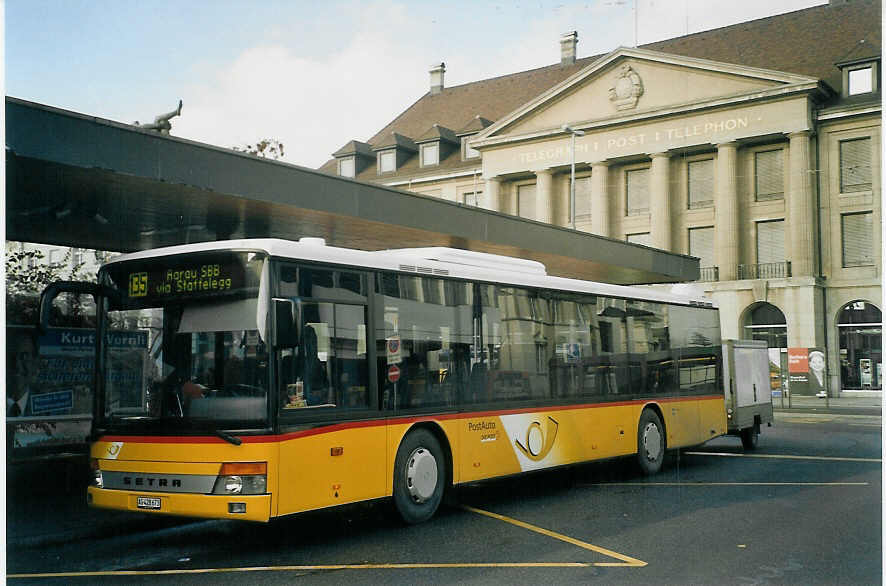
[{"x": 228, "y": 437}]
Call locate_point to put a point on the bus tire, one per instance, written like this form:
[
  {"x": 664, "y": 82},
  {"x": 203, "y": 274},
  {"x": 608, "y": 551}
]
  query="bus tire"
[
  {"x": 750, "y": 437},
  {"x": 419, "y": 476},
  {"x": 650, "y": 442}
]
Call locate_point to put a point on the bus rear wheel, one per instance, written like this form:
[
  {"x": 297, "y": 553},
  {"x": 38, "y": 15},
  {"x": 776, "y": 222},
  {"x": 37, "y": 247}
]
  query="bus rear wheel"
[
  {"x": 419, "y": 476},
  {"x": 750, "y": 437},
  {"x": 650, "y": 442}
]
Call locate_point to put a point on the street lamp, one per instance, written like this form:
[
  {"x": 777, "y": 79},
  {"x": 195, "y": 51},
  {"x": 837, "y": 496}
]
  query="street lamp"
[{"x": 574, "y": 133}]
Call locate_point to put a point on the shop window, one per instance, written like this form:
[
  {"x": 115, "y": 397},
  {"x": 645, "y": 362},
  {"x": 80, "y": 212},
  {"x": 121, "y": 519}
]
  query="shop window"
[{"x": 859, "y": 326}]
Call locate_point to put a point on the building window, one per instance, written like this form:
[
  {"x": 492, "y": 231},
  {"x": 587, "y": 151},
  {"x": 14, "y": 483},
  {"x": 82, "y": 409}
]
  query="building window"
[
  {"x": 860, "y": 330},
  {"x": 855, "y": 165},
  {"x": 387, "y": 161},
  {"x": 466, "y": 151},
  {"x": 430, "y": 154},
  {"x": 582, "y": 200},
  {"x": 526, "y": 201},
  {"x": 857, "y": 239},
  {"x": 861, "y": 81},
  {"x": 769, "y": 175},
  {"x": 770, "y": 242},
  {"x": 637, "y": 192},
  {"x": 471, "y": 198},
  {"x": 346, "y": 167},
  {"x": 701, "y": 184},
  {"x": 701, "y": 244},
  {"x": 644, "y": 238}
]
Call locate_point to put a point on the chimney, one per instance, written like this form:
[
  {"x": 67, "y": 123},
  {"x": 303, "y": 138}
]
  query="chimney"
[
  {"x": 568, "y": 41},
  {"x": 437, "y": 72}
]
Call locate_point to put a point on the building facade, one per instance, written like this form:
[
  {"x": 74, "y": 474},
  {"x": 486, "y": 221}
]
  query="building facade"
[{"x": 755, "y": 148}]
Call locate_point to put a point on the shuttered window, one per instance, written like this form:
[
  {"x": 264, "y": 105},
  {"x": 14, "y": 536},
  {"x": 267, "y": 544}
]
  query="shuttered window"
[
  {"x": 769, "y": 175},
  {"x": 858, "y": 247},
  {"x": 643, "y": 238},
  {"x": 701, "y": 244},
  {"x": 583, "y": 200},
  {"x": 855, "y": 165},
  {"x": 770, "y": 242},
  {"x": 701, "y": 184},
  {"x": 526, "y": 201},
  {"x": 637, "y": 192}
]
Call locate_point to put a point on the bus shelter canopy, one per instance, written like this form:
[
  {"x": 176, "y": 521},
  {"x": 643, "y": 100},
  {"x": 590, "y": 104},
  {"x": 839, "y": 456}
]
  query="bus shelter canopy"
[{"x": 80, "y": 181}]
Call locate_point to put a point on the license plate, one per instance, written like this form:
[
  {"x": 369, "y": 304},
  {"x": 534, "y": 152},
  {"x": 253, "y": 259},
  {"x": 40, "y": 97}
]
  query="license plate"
[{"x": 147, "y": 502}]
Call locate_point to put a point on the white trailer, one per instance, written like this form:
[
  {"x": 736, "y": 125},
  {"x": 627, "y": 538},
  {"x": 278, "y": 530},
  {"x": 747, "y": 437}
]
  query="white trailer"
[{"x": 747, "y": 389}]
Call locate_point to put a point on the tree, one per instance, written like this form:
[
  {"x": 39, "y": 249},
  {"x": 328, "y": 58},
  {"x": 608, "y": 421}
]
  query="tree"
[
  {"x": 267, "y": 148},
  {"x": 28, "y": 273}
]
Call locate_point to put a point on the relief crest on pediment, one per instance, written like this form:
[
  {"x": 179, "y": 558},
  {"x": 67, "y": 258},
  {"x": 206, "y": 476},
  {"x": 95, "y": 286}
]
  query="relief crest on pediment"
[{"x": 627, "y": 89}]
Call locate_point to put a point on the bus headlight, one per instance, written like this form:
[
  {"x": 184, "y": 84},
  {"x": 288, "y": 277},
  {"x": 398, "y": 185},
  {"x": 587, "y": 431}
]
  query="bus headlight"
[
  {"x": 242, "y": 478},
  {"x": 97, "y": 479}
]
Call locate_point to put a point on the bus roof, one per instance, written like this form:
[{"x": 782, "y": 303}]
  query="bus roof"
[{"x": 434, "y": 261}]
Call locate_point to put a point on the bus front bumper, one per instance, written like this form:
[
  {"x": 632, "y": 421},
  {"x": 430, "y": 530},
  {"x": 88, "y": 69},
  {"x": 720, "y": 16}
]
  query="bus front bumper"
[{"x": 209, "y": 506}]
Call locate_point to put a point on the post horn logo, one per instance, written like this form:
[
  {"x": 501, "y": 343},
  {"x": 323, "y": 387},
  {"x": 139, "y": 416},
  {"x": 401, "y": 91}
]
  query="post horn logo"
[{"x": 539, "y": 440}]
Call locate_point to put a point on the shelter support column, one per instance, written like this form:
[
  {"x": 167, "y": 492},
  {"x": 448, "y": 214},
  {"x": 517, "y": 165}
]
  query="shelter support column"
[
  {"x": 492, "y": 197},
  {"x": 544, "y": 195},
  {"x": 801, "y": 207},
  {"x": 659, "y": 201},
  {"x": 600, "y": 199},
  {"x": 726, "y": 228}
]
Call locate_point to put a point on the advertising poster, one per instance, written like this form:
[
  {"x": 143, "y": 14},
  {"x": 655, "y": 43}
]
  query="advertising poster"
[
  {"x": 49, "y": 385},
  {"x": 807, "y": 371}
]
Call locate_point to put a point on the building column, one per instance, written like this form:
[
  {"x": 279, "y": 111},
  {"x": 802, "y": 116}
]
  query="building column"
[
  {"x": 726, "y": 240},
  {"x": 544, "y": 195},
  {"x": 600, "y": 199},
  {"x": 659, "y": 201},
  {"x": 801, "y": 207},
  {"x": 492, "y": 195}
]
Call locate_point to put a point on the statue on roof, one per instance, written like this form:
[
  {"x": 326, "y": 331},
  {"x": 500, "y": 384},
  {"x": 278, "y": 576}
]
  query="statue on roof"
[{"x": 162, "y": 122}]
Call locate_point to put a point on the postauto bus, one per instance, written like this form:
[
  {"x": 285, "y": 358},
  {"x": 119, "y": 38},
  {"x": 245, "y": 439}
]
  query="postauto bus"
[{"x": 275, "y": 377}]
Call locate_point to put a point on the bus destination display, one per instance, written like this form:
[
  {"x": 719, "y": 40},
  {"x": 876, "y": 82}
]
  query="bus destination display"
[{"x": 198, "y": 279}]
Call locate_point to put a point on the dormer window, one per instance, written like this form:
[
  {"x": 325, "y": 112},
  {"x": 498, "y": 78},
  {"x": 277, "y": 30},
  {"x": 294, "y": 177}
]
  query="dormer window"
[
  {"x": 466, "y": 151},
  {"x": 860, "y": 76},
  {"x": 430, "y": 154},
  {"x": 387, "y": 161},
  {"x": 346, "y": 167},
  {"x": 861, "y": 81}
]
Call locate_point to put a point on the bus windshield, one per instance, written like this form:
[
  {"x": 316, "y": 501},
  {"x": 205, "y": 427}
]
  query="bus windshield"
[{"x": 185, "y": 347}]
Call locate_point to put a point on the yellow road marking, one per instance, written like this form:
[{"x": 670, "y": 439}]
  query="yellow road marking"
[
  {"x": 626, "y": 561},
  {"x": 730, "y": 484},
  {"x": 301, "y": 568},
  {"x": 784, "y": 457}
]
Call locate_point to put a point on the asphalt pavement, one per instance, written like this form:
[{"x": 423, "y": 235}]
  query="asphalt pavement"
[{"x": 46, "y": 500}]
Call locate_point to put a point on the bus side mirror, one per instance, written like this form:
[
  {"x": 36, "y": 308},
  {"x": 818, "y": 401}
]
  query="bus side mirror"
[{"x": 286, "y": 332}]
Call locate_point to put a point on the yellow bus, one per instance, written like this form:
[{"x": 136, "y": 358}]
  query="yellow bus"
[{"x": 274, "y": 377}]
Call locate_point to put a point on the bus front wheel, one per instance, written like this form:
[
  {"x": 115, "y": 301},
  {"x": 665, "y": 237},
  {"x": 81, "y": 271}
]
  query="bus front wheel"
[
  {"x": 419, "y": 476},
  {"x": 650, "y": 442}
]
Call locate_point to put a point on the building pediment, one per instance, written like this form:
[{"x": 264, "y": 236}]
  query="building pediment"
[{"x": 629, "y": 84}]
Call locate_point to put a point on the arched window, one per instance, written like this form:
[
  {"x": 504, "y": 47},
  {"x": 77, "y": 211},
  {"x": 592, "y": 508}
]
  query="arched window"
[
  {"x": 859, "y": 327},
  {"x": 766, "y": 322}
]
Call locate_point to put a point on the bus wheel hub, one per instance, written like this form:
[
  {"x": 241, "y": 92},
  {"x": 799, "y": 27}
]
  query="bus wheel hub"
[
  {"x": 421, "y": 475},
  {"x": 652, "y": 441}
]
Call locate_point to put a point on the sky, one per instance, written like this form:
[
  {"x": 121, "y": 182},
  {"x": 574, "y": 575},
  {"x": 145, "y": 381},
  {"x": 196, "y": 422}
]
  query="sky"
[{"x": 313, "y": 75}]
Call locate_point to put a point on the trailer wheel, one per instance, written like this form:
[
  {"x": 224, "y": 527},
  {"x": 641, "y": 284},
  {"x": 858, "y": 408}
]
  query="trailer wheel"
[
  {"x": 419, "y": 476},
  {"x": 750, "y": 437},
  {"x": 650, "y": 442}
]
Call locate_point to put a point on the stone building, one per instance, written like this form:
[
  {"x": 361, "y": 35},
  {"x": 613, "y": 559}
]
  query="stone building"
[{"x": 754, "y": 147}]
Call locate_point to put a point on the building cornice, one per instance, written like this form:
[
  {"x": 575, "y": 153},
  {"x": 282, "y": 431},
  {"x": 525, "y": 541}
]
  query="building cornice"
[{"x": 429, "y": 178}]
